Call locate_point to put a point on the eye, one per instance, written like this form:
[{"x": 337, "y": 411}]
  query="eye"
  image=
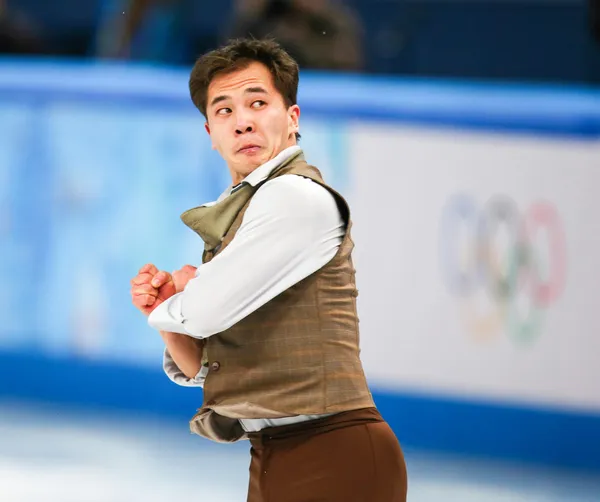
[
  {"x": 223, "y": 111},
  {"x": 258, "y": 103}
]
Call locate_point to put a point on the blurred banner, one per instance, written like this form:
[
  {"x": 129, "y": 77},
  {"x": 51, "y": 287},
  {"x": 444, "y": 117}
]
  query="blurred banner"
[
  {"x": 485, "y": 286},
  {"x": 475, "y": 210}
]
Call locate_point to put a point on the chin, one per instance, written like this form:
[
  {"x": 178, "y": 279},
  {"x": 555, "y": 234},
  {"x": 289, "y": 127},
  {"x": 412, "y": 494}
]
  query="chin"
[{"x": 258, "y": 161}]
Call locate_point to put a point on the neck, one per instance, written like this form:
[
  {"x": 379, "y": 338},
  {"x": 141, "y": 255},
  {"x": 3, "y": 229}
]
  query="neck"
[{"x": 236, "y": 178}]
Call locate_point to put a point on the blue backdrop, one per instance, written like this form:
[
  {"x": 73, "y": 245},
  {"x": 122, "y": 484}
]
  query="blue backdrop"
[{"x": 98, "y": 161}]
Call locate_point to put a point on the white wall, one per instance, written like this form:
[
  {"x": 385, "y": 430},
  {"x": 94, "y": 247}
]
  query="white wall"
[{"x": 417, "y": 334}]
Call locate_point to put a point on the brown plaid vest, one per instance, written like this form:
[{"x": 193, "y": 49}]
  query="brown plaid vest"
[{"x": 296, "y": 355}]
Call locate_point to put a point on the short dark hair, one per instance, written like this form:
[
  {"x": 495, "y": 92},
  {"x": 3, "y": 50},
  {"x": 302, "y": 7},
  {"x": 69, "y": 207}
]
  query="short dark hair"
[{"x": 237, "y": 55}]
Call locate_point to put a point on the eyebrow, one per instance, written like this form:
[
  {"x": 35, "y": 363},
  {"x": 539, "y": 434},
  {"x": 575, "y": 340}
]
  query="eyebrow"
[{"x": 249, "y": 90}]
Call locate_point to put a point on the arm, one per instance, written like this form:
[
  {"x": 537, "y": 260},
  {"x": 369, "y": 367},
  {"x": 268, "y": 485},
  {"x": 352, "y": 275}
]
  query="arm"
[
  {"x": 185, "y": 352},
  {"x": 291, "y": 229},
  {"x": 183, "y": 355}
]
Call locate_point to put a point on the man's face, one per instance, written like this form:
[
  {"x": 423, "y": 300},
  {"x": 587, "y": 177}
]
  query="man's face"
[{"x": 248, "y": 120}]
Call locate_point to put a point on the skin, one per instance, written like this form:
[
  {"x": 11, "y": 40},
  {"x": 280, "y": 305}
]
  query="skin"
[
  {"x": 244, "y": 108},
  {"x": 149, "y": 288},
  {"x": 249, "y": 124}
]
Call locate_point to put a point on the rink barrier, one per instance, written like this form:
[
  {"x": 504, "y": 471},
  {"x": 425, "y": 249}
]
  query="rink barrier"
[
  {"x": 548, "y": 109},
  {"x": 528, "y": 434}
]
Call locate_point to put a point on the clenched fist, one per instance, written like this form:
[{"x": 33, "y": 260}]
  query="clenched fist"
[
  {"x": 182, "y": 276},
  {"x": 150, "y": 288}
]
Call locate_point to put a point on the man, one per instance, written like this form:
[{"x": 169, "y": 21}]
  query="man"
[
  {"x": 267, "y": 325},
  {"x": 322, "y": 34},
  {"x": 17, "y": 34},
  {"x": 148, "y": 30}
]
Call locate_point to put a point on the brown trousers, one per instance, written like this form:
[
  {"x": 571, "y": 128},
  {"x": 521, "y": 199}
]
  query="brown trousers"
[{"x": 349, "y": 457}]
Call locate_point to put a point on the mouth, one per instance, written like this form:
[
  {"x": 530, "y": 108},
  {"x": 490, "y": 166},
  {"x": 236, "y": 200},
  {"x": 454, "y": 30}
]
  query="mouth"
[{"x": 249, "y": 149}]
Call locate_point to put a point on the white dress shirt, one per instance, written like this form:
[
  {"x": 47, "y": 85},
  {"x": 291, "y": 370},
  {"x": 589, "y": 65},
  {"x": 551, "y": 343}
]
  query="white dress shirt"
[{"x": 291, "y": 228}]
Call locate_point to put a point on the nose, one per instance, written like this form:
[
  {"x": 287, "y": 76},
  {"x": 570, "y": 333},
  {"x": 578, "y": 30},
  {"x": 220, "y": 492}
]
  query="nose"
[
  {"x": 243, "y": 129},
  {"x": 243, "y": 124}
]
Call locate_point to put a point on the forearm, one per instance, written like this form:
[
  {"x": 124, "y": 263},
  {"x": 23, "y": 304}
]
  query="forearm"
[
  {"x": 185, "y": 351},
  {"x": 291, "y": 229}
]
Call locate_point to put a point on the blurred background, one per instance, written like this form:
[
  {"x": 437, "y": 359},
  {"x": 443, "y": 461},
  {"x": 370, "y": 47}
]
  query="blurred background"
[{"x": 465, "y": 135}]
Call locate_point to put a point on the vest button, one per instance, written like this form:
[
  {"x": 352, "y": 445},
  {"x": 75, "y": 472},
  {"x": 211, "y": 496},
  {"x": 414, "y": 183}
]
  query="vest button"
[{"x": 215, "y": 366}]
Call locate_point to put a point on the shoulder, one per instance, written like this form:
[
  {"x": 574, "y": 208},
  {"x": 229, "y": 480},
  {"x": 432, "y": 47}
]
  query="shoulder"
[
  {"x": 296, "y": 191},
  {"x": 295, "y": 197}
]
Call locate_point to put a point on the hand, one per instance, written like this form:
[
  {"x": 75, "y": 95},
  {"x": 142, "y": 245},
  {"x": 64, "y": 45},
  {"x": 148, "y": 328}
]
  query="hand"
[
  {"x": 150, "y": 288},
  {"x": 182, "y": 276}
]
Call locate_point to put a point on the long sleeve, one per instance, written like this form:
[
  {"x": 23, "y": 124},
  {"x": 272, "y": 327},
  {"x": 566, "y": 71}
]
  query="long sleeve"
[{"x": 291, "y": 229}]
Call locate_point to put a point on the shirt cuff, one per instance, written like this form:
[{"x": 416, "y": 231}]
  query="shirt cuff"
[
  {"x": 178, "y": 377},
  {"x": 168, "y": 317}
]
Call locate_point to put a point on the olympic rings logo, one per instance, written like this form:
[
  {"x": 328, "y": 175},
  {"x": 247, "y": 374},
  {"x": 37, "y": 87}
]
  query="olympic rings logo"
[{"x": 472, "y": 260}]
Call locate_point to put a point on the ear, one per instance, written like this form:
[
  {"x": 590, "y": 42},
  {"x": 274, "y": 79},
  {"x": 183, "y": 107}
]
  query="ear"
[{"x": 293, "y": 119}]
